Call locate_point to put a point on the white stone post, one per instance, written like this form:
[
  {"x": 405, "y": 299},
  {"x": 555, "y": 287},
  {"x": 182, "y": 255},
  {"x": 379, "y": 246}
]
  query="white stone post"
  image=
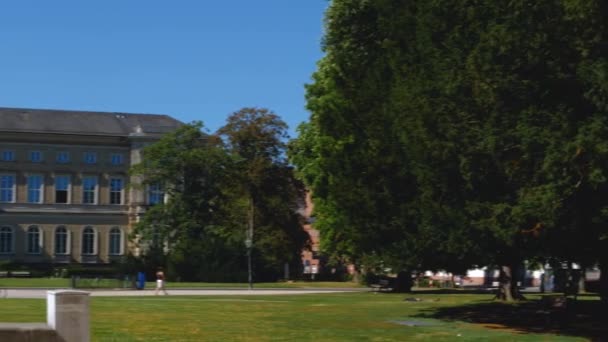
[{"x": 67, "y": 312}]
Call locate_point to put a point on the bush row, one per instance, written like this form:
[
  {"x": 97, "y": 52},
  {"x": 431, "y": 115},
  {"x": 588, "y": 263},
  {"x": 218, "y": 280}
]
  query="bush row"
[{"x": 61, "y": 270}]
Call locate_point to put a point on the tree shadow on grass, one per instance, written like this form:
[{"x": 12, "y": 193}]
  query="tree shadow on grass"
[
  {"x": 480, "y": 290},
  {"x": 583, "y": 318}
]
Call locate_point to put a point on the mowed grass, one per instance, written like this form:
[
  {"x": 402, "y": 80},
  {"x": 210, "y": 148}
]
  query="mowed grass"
[
  {"x": 361, "y": 316},
  {"x": 34, "y": 282},
  {"x": 110, "y": 283}
]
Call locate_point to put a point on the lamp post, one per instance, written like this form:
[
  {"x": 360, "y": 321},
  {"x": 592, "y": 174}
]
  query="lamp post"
[{"x": 249, "y": 242}]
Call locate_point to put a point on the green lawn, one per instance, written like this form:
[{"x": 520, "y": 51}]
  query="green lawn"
[
  {"x": 34, "y": 282},
  {"x": 89, "y": 283},
  {"x": 360, "y": 316}
]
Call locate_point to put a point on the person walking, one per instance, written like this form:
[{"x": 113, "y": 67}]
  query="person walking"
[{"x": 160, "y": 281}]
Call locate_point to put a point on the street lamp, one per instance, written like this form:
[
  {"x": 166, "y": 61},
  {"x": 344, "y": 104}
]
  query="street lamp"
[
  {"x": 249, "y": 241},
  {"x": 249, "y": 245}
]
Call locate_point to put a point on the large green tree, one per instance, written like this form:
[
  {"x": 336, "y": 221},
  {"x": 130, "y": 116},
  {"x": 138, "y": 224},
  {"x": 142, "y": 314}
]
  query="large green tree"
[
  {"x": 353, "y": 156},
  {"x": 582, "y": 235},
  {"x": 447, "y": 134},
  {"x": 524, "y": 97}
]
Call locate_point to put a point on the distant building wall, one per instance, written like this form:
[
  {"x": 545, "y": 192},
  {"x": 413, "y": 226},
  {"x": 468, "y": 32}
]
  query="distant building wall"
[
  {"x": 310, "y": 258},
  {"x": 65, "y": 192},
  {"x": 484, "y": 277}
]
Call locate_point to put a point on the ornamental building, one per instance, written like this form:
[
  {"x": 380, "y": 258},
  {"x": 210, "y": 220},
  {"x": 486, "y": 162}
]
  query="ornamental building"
[{"x": 64, "y": 183}]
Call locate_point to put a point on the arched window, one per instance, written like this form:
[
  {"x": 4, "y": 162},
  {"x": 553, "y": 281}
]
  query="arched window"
[
  {"x": 115, "y": 241},
  {"x": 34, "y": 240},
  {"x": 6, "y": 240},
  {"x": 61, "y": 240},
  {"x": 88, "y": 241}
]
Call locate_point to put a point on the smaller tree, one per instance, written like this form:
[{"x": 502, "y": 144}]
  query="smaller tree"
[
  {"x": 256, "y": 139},
  {"x": 193, "y": 226}
]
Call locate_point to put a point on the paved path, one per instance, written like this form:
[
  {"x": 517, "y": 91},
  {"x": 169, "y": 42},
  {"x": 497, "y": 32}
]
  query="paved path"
[{"x": 41, "y": 293}]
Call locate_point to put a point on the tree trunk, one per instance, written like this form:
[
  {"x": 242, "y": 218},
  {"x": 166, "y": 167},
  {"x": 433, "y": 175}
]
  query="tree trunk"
[
  {"x": 582, "y": 282},
  {"x": 357, "y": 278},
  {"x": 507, "y": 287},
  {"x": 249, "y": 242},
  {"x": 505, "y": 280},
  {"x": 404, "y": 282}
]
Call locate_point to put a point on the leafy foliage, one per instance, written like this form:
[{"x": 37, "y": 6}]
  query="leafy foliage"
[
  {"x": 199, "y": 231},
  {"x": 255, "y": 137},
  {"x": 446, "y": 134},
  {"x": 194, "y": 227}
]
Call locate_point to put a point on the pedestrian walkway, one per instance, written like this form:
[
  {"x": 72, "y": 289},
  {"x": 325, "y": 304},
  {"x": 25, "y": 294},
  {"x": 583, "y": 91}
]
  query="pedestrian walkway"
[{"x": 41, "y": 293}]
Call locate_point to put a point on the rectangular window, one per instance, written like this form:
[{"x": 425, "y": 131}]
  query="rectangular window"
[
  {"x": 116, "y": 186},
  {"x": 115, "y": 241},
  {"x": 8, "y": 155},
  {"x": 34, "y": 240},
  {"x": 35, "y": 156},
  {"x": 6, "y": 240},
  {"x": 61, "y": 240},
  {"x": 89, "y": 241},
  {"x": 116, "y": 159},
  {"x": 34, "y": 188},
  {"x": 62, "y": 189},
  {"x": 156, "y": 194},
  {"x": 89, "y": 190},
  {"x": 90, "y": 157},
  {"x": 63, "y": 157},
  {"x": 7, "y": 188}
]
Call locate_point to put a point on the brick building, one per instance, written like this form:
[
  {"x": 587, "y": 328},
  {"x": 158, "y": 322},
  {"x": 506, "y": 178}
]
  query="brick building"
[
  {"x": 310, "y": 258},
  {"x": 64, "y": 183}
]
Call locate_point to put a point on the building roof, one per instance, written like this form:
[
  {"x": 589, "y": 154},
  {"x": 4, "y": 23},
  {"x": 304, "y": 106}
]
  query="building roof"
[{"x": 84, "y": 122}]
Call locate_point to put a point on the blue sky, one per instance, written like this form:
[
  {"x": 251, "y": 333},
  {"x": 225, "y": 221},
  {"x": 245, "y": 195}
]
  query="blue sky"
[{"x": 194, "y": 60}]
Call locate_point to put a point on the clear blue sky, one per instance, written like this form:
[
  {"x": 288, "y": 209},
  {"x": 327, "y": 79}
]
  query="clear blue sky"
[{"x": 194, "y": 60}]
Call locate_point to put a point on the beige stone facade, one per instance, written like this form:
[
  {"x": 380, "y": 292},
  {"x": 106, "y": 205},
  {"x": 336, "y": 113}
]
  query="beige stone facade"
[{"x": 65, "y": 192}]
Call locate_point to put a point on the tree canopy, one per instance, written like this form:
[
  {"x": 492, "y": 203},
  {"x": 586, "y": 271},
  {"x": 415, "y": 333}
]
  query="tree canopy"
[
  {"x": 256, "y": 138},
  {"x": 449, "y": 134},
  {"x": 195, "y": 226},
  {"x": 200, "y": 230}
]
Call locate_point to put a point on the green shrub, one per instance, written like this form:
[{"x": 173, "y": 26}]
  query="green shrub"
[
  {"x": 35, "y": 269},
  {"x": 84, "y": 271},
  {"x": 93, "y": 283}
]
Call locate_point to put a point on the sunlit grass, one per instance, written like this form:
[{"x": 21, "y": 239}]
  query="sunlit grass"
[
  {"x": 326, "y": 317},
  {"x": 35, "y": 282}
]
